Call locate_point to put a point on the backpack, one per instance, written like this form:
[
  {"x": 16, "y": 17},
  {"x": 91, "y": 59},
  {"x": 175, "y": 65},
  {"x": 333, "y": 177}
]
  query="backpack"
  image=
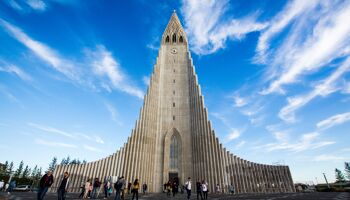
[{"x": 118, "y": 185}]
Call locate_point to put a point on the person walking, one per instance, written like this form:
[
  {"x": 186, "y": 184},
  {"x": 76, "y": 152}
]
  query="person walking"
[
  {"x": 96, "y": 188},
  {"x": 44, "y": 184},
  {"x": 11, "y": 186},
  {"x": 87, "y": 189},
  {"x": 119, "y": 187},
  {"x": 135, "y": 189},
  {"x": 188, "y": 186},
  {"x": 144, "y": 188},
  {"x": 199, "y": 190},
  {"x": 62, "y": 189},
  {"x": 175, "y": 188},
  {"x": 81, "y": 195},
  {"x": 205, "y": 189},
  {"x": 106, "y": 187}
]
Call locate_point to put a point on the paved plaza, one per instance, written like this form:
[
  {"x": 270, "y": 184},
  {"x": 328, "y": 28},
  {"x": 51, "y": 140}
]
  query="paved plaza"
[{"x": 296, "y": 196}]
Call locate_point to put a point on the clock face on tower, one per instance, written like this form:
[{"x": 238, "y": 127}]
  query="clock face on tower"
[{"x": 173, "y": 51}]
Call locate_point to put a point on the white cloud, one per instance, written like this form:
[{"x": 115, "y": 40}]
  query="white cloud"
[
  {"x": 279, "y": 22},
  {"x": 334, "y": 120},
  {"x": 43, "y": 51},
  {"x": 324, "y": 88},
  {"x": 234, "y": 134},
  {"x": 307, "y": 141},
  {"x": 94, "y": 149},
  {"x": 206, "y": 28},
  {"x": 239, "y": 101},
  {"x": 17, "y": 71},
  {"x": 94, "y": 138},
  {"x": 37, "y": 4},
  {"x": 104, "y": 64},
  {"x": 240, "y": 144},
  {"x": 50, "y": 129},
  {"x": 54, "y": 144},
  {"x": 146, "y": 80},
  {"x": 306, "y": 52},
  {"x": 325, "y": 157},
  {"x": 113, "y": 112}
]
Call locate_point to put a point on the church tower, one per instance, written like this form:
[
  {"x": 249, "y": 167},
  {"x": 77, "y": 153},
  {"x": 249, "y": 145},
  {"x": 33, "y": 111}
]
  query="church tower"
[{"x": 173, "y": 138}]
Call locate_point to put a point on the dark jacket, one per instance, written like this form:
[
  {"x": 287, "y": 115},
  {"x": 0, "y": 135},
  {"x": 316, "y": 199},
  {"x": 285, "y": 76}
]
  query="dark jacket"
[
  {"x": 64, "y": 184},
  {"x": 46, "y": 181}
]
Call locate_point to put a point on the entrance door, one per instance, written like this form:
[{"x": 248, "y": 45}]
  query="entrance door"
[{"x": 173, "y": 176}]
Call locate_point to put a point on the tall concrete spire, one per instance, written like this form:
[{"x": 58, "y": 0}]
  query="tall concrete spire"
[{"x": 173, "y": 138}]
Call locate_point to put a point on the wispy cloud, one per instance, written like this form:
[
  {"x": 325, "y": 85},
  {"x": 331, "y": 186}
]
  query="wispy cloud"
[
  {"x": 234, "y": 134},
  {"x": 307, "y": 141},
  {"x": 54, "y": 144},
  {"x": 104, "y": 65},
  {"x": 113, "y": 112},
  {"x": 94, "y": 138},
  {"x": 324, "y": 88},
  {"x": 326, "y": 157},
  {"x": 317, "y": 37},
  {"x": 37, "y": 4},
  {"x": 12, "y": 69},
  {"x": 94, "y": 149},
  {"x": 50, "y": 130},
  {"x": 208, "y": 28},
  {"x": 146, "y": 80},
  {"x": 240, "y": 144},
  {"x": 239, "y": 101},
  {"x": 42, "y": 51},
  {"x": 334, "y": 120}
]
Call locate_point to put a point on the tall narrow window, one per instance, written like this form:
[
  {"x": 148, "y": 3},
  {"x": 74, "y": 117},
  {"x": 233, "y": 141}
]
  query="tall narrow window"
[
  {"x": 174, "y": 38},
  {"x": 174, "y": 117},
  {"x": 174, "y": 81},
  {"x": 181, "y": 40},
  {"x": 167, "y": 40},
  {"x": 173, "y": 92},
  {"x": 173, "y": 104},
  {"x": 174, "y": 153}
]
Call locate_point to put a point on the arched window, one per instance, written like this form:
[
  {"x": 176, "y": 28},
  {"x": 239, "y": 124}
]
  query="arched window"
[
  {"x": 174, "y": 153},
  {"x": 174, "y": 38},
  {"x": 181, "y": 40},
  {"x": 167, "y": 40}
]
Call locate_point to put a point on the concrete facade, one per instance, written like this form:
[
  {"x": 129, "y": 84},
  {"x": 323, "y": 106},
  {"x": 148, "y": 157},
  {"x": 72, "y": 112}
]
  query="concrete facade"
[{"x": 174, "y": 137}]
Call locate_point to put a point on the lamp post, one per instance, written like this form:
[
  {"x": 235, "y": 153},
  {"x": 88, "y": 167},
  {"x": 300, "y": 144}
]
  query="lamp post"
[{"x": 326, "y": 180}]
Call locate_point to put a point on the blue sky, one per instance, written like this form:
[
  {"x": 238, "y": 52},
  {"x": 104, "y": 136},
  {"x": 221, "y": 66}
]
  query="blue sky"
[{"x": 275, "y": 76}]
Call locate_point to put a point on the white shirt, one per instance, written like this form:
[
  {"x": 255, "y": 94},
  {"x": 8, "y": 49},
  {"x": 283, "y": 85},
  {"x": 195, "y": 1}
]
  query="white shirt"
[
  {"x": 1, "y": 184},
  {"x": 188, "y": 185},
  {"x": 204, "y": 187}
]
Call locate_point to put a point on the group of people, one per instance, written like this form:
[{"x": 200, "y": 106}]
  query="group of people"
[
  {"x": 8, "y": 186},
  {"x": 133, "y": 188},
  {"x": 47, "y": 180},
  {"x": 92, "y": 189}
]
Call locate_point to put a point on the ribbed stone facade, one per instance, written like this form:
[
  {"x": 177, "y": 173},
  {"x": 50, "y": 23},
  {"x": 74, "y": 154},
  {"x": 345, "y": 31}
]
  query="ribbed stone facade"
[{"x": 174, "y": 137}]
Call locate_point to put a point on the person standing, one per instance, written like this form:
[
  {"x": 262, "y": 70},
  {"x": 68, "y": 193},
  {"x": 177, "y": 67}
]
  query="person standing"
[
  {"x": 144, "y": 188},
  {"x": 188, "y": 187},
  {"x": 11, "y": 186},
  {"x": 232, "y": 189},
  {"x": 1, "y": 184},
  {"x": 62, "y": 189},
  {"x": 199, "y": 190},
  {"x": 87, "y": 189},
  {"x": 218, "y": 188},
  {"x": 135, "y": 189},
  {"x": 44, "y": 184},
  {"x": 175, "y": 188},
  {"x": 205, "y": 189}
]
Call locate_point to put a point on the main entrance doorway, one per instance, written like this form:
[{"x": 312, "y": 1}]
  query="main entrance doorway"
[{"x": 173, "y": 176}]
